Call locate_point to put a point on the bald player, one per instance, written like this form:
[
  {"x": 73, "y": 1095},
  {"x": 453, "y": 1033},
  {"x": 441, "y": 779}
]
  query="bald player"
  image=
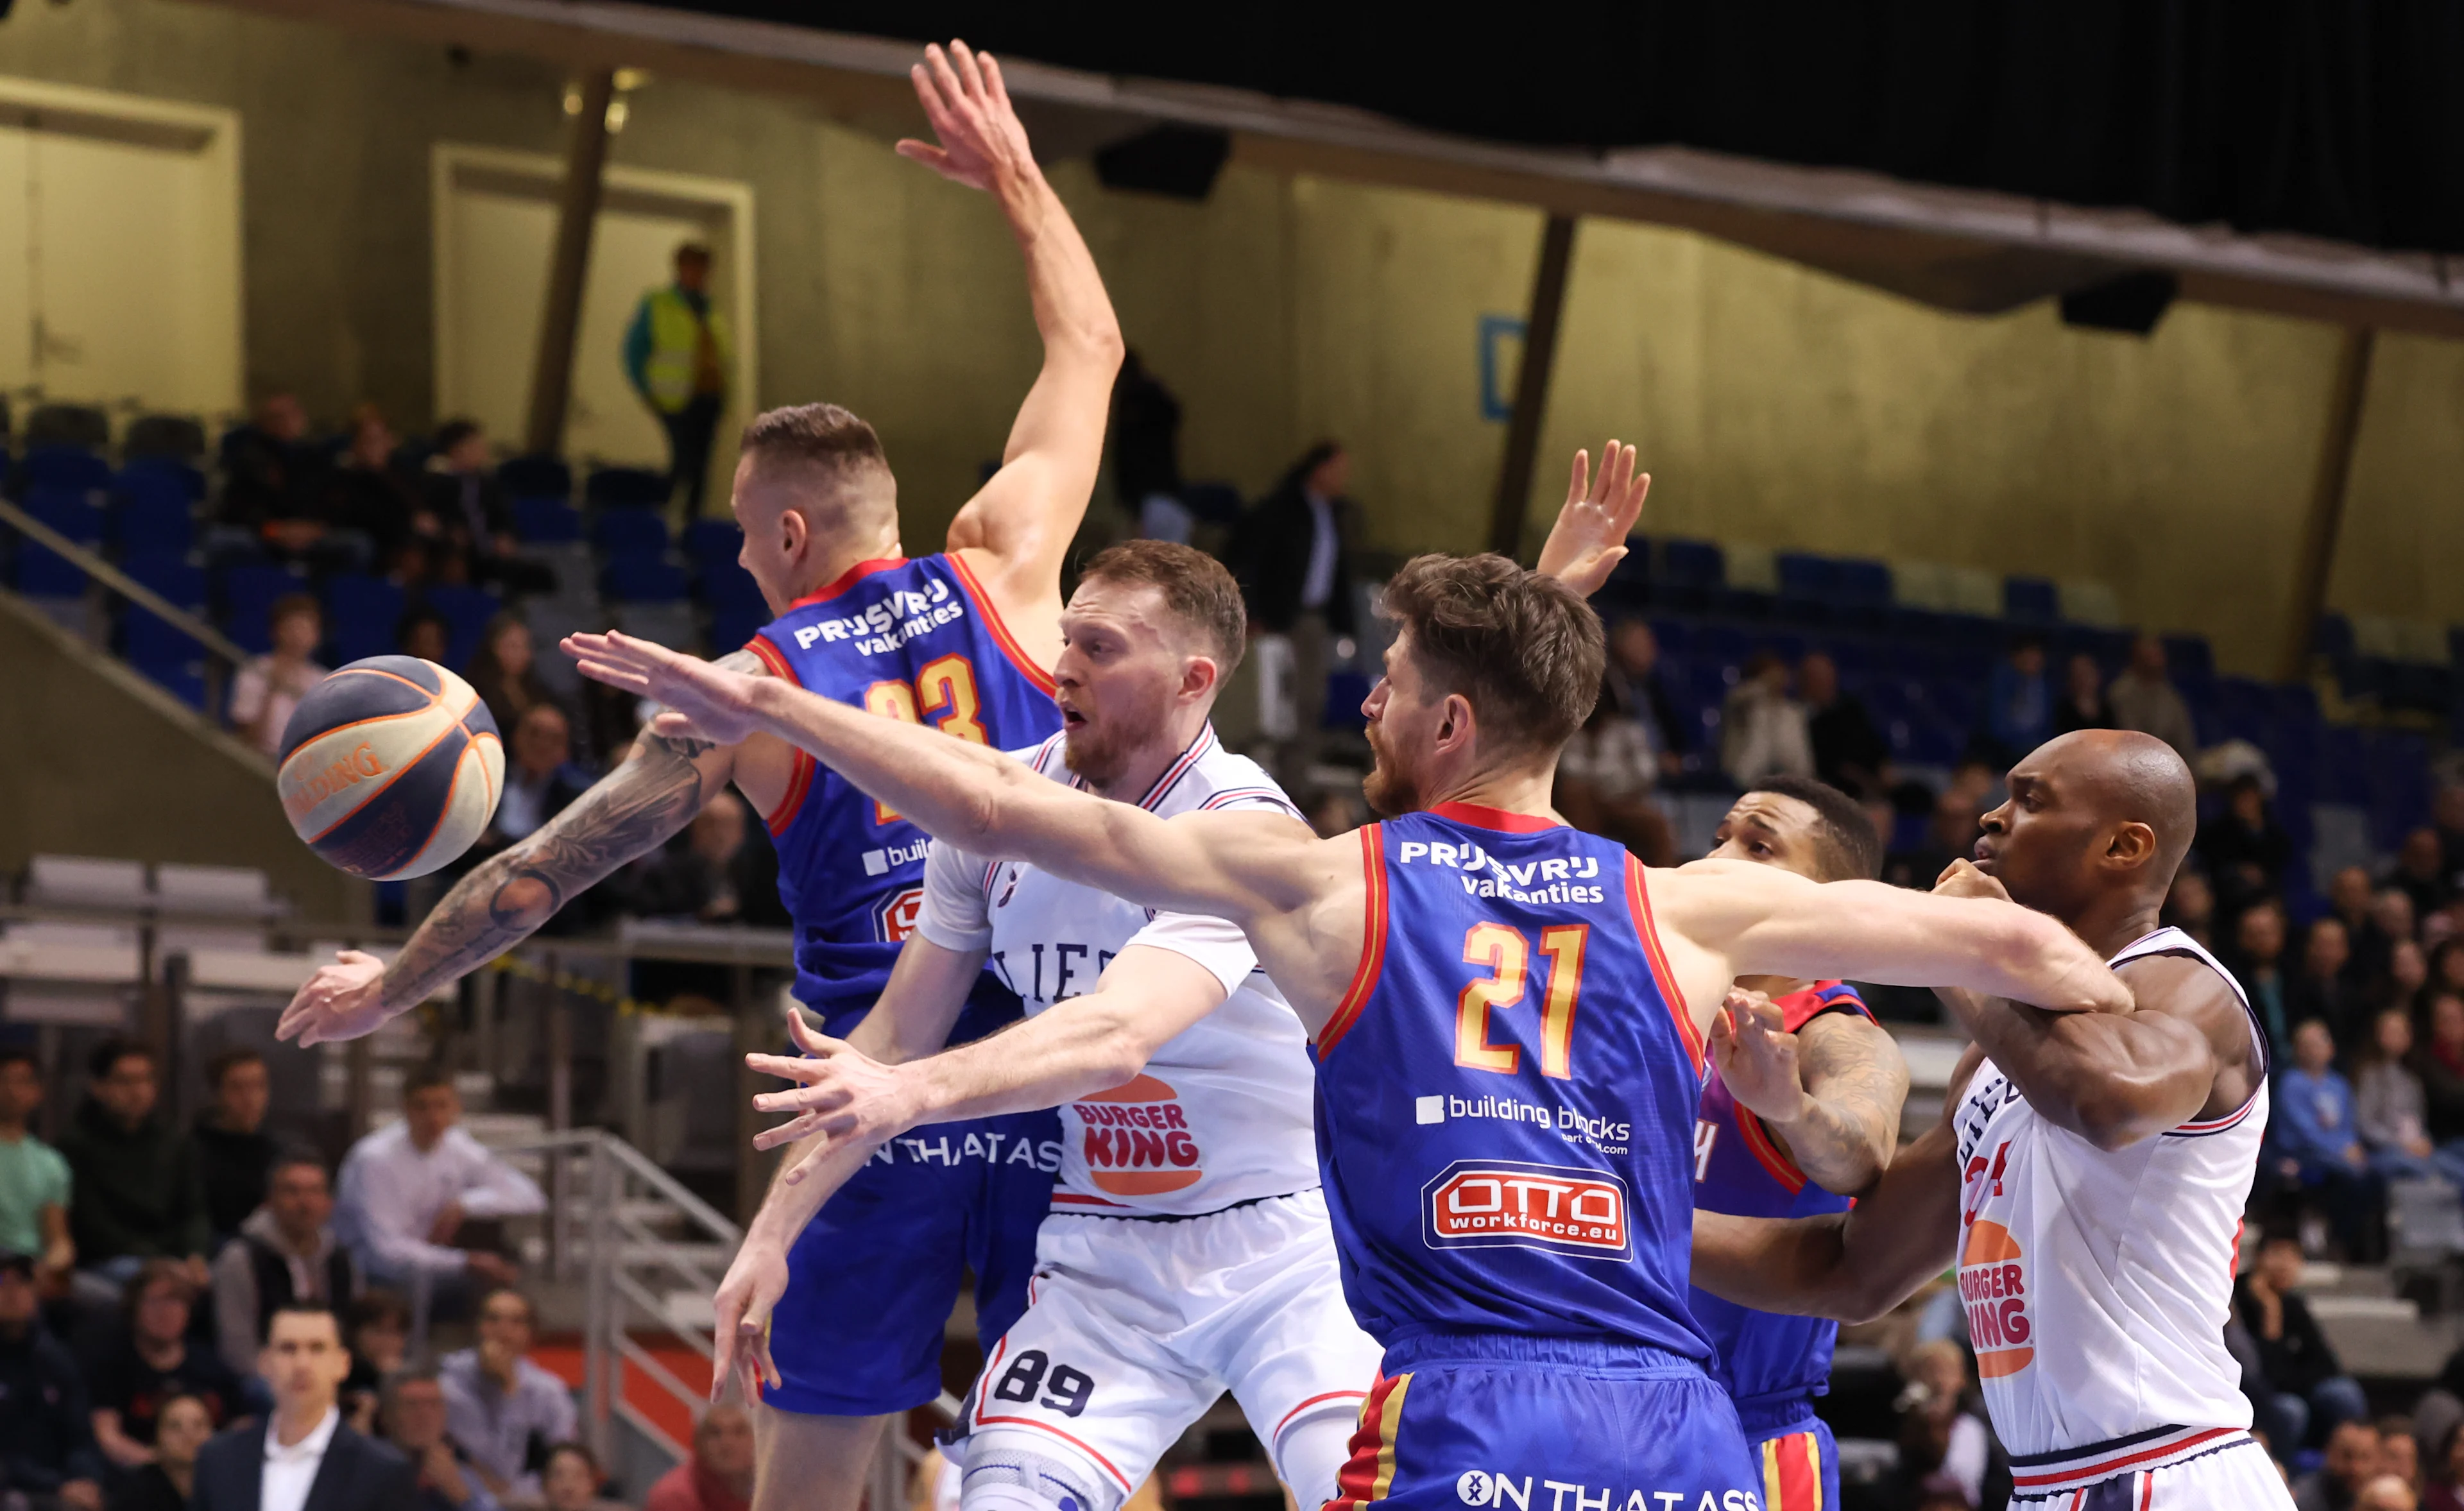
[{"x": 2089, "y": 1174}]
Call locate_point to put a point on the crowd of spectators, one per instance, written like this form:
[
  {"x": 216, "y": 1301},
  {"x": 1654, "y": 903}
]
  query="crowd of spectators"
[{"x": 165, "y": 1290}]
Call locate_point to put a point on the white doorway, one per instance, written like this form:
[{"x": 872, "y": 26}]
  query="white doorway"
[
  {"x": 119, "y": 251},
  {"x": 496, "y": 232}
]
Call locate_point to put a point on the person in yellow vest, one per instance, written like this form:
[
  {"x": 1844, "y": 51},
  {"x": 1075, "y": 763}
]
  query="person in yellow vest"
[{"x": 678, "y": 352}]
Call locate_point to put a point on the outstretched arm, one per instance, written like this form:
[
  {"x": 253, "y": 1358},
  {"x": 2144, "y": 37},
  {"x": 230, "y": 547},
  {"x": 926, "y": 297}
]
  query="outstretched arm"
[
  {"x": 1587, "y": 541},
  {"x": 631, "y": 811},
  {"x": 1756, "y": 920},
  {"x": 1858, "y": 1264},
  {"x": 1022, "y": 521},
  {"x": 1237, "y": 863},
  {"x": 1833, "y": 1090}
]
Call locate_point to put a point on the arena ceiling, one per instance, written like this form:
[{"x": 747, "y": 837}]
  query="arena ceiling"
[{"x": 2302, "y": 159}]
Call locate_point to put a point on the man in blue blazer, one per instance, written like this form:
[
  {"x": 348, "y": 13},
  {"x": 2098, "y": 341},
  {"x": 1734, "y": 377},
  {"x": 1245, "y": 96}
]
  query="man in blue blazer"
[{"x": 305, "y": 1456}]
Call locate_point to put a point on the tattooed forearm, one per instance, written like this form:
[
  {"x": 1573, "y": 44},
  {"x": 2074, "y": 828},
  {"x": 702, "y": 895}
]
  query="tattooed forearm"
[
  {"x": 1858, "y": 1085},
  {"x": 630, "y": 812}
]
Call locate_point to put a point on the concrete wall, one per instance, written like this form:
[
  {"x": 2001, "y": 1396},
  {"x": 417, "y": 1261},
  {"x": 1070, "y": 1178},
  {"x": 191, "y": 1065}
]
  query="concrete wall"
[
  {"x": 97, "y": 761},
  {"x": 1774, "y": 405}
]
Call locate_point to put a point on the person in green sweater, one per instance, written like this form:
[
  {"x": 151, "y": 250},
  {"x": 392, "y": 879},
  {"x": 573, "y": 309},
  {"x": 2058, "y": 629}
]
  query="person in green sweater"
[
  {"x": 139, "y": 1194},
  {"x": 33, "y": 1178}
]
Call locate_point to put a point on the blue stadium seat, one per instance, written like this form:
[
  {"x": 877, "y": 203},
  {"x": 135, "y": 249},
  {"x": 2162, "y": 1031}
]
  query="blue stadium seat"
[
  {"x": 147, "y": 639},
  {"x": 2333, "y": 638},
  {"x": 536, "y": 477},
  {"x": 2187, "y": 656},
  {"x": 1803, "y": 575},
  {"x": 1863, "y": 584},
  {"x": 165, "y": 472},
  {"x": 730, "y": 628},
  {"x": 71, "y": 468},
  {"x": 627, "y": 487},
  {"x": 361, "y": 614},
  {"x": 152, "y": 517},
  {"x": 634, "y": 578},
  {"x": 632, "y": 532},
  {"x": 467, "y": 611},
  {"x": 1692, "y": 564},
  {"x": 43, "y": 573},
  {"x": 246, "y": 593},
  {"x": 709, "y": 541},
  {"x": 2031, "y": 600},
  {"x": 729, "y": 588},
  {"x": 545, "y": 519}
]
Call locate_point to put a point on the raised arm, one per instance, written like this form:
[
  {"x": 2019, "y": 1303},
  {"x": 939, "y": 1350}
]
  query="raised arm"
[
  {"x": 631, "y": 811},
  {"x": 1017, "y": 527},
  {"x": 1589, "y": 538},
  {"x": 1732, "y": 918},
  {"x": 1832, "y": 1090}
]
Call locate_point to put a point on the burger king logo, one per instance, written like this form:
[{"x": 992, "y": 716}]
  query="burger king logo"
[{"x": 1138, "y": 1142}]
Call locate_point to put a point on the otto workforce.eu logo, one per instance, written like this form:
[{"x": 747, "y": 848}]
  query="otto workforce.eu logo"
[{"x": 1486, "y": 1204}]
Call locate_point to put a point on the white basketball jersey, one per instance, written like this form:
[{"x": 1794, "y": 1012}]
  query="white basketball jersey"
[
  {"x": 2097, "y": 1284},
  {"x": 1222, "y": 1114}
]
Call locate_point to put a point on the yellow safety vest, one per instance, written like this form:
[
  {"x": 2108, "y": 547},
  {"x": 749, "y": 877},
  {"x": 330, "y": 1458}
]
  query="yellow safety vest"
[{"x": 675, "y": 344}]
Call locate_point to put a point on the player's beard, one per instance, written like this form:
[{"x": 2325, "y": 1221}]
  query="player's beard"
[
  {"x": 1389, "y": 793},
  {"x": 1099, "y": 749}
]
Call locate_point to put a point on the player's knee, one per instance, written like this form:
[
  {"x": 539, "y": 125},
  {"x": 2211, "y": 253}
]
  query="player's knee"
[{"x": 999, "y": 1477}]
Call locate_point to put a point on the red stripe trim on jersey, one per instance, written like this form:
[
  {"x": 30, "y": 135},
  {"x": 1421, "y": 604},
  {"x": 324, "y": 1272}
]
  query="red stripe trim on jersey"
[
  {"x": 2106, "y": 1469},
  {"x": 2220, "y": 1124},
  {"x": 1758, "y": 1140},
  {"x": 1637, "y": 899},
  {"x": 2146, "y": 1490},
  {"x": 1792, "y": 1474},
  {"x": 1479, "y": 817},
  {"x": 774, "y": 659},
  {"x": 845, "y": 580},
  {"x": 1260, "y": 794},
  {"x": 1081, "y": 1199},
  {"x": 1315, "y": 1400},
  {"x": 1372, "y": 941},
  {"x": 1028, "y": 1422},
  {"x": 1370, "y": 1471},
  {"x": 1001, "y": 637},
  {"x": 801, "y": 762},
  {"x": 1179, "y": 768}
]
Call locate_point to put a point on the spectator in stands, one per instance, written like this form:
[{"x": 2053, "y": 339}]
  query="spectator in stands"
[
  {"x": 180, "y": 1429},
  {"x": 541, "y": 780},
  {"x": 1631, "y": 680},
  {"x": 1291, "y": 552},
  {"x": 1606, "y": 778},
  {"x": 2144, "y": 699},
  {"x": 2191, "y": 905},
  {"x": 505, "y": 1411},
  {"x": 2407, "y": 976},
  {"x": 2421, "y": 871},
  {"x": 1146, "y": 452},
  {"x": 2018, "y": 703},
  {"x": 408, "y": 1187},
  {"x": 2385, "y": 1493},
  {"x": 425, "y": 633},
  {"x": 265, "y": 691},
  {"x": 2083, "y": 705},
  {"x": 2399, "y": 1452},
  {"x": 285, "y": 1251},
  {"x": 2445, "y": 1491},
  {"x": 677, "y": 355},
  {"x": 715, "y": 872},
  {"x": 377, "y": 1331},
  {"x": 2348, "y": 897},
  {"x": 2315, "y": 1147},
  {"x": 414, "y": 1422},
  {"x": 468, "y": 513},
  {"x": 33, "y": 1178},
  {"x": 234, "y": 1154},
  {"x": 1763, "y": 731},
  {"x": 366, "y": 492},
  {"x": 2440, "y": 1065},
  {"x": 2388, "y": 1106},
  {"x": 2321, "y": 990},
  {"x": 2447, "y": 817},
  {"x": 2246, "y": 850},
  {"x": 2352, "y": 1460},
  {"x": 504, "y": 671},
  {"x": 1943, "y": 1443},
  {"x": 273, "y": 489},
  {"x": 1950, "y": 836},
  {"x": 2257, "y": 960},
  {"x": 2447, "y": 966},
  {"x": 303, "y": 1446},
  {"x": 149, "y": 1361},
  {"x": 137, "y": 1192},
  {"x": 572, "y": 1479},
  {"x": 2392, "y": 923},
  {"x": 718, "y": 1474},
  {"x": 1849, "y": 753},
  {"x": 46, "y": 1429},
  {"x": 2313, "y": 1392}
]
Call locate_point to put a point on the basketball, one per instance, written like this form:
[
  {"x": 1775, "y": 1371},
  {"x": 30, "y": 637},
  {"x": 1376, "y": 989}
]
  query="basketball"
[{"x": 391, "y": 768}]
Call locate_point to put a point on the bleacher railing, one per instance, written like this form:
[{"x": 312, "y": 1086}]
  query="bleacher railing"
[{"x": 224, "y": 658}]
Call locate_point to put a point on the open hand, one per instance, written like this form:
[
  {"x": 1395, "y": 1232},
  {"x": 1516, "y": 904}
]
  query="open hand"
[
  {"x": 842, "y": 1094},
  {"x": 1587, "y": 541},
  {"x": 342, "y": 1000},
  {"x": 705, "y": 701},
  {"x": 1757, "y": 1059},
  {"x": 983, "y": 141},
  {"x": 741, "y": 1339}
]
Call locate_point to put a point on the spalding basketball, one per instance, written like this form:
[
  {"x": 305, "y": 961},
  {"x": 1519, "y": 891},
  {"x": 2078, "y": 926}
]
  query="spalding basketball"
[{"x": 391, "y": 768}]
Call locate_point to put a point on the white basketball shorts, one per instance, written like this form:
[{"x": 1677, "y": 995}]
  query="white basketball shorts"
[{"x": 1133, "y": 1326}]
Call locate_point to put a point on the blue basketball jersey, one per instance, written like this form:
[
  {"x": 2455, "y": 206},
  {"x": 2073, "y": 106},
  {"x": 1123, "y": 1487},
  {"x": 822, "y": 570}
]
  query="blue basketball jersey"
[
  {"x": 910, "y": 639},
  {"x": 1506, "y": 1095},
  {"x": 1740, "y": 1170}
]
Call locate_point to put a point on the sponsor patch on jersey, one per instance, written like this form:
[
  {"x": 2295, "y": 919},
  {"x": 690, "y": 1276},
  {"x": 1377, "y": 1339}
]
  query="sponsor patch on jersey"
[
  {"x": 898, "y": 914},
  {"x": 1138, "y": 1142},
  {"x": 1994, "y": 1289},
  {"x": 1487, "y": 1204}
]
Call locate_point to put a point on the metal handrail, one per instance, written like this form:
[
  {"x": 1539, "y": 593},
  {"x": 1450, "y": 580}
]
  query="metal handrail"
[{"x": 127, "y": 586}]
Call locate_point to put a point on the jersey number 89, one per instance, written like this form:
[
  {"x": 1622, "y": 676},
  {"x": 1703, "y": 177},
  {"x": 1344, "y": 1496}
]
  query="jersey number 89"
[{"x": 1066, "y": 1390}]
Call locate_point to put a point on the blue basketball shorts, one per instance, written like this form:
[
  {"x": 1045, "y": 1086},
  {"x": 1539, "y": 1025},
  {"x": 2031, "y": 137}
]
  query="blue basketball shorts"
[
  {"x": 1795, "y": 1454},
  {"x": 871, "y": 1278},
  {"x": 1456, "y": 1423}
]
